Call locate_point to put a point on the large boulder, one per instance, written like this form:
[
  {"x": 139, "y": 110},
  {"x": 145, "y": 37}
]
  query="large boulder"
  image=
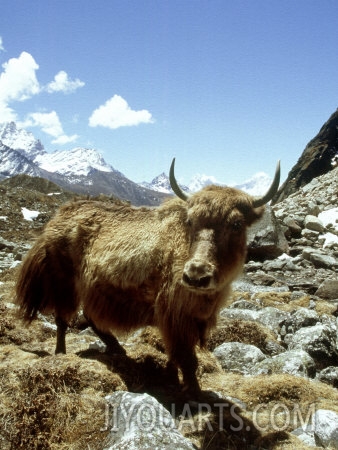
[{"x": 266, "y": 239}]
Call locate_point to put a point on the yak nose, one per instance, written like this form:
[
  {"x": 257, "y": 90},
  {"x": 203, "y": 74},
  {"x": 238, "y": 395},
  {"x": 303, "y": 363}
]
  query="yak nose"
[{"x": 198, "y": 274}]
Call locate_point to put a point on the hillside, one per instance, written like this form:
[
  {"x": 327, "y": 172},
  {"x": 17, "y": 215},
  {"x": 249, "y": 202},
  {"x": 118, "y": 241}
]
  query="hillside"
[
  {"x": 319, "y": 157},
  {"x": 270, "y": 371}
]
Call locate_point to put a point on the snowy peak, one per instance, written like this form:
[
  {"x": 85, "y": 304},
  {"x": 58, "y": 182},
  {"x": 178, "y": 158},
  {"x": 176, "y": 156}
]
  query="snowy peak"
[
  {"x": 21, "y": 140},
  {"x": 69, "y": 163},
  {"x": 257, "y": 185},
  {"x": 198, "y": 182},
  {"x": 78, "y": 161},
  {"x": 161, "y": 183}
]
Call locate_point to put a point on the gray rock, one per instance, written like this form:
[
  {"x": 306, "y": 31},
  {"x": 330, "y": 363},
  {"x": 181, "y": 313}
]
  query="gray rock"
[
  {"x": 328, "y": 290},
  {"x": 294, "y": 228},
  {"x": 294, "y": 362},
  {"x": 329, "y": 375},
  {"x": 313, "y": 223},
  {"x": 265, "y": 238},
  {"x": 139, "y": 421},
  {"x": 272, "y": 348},
  {"x": 6, "y": 245},
  {"x": 276, "y": 264},
  {"x": 272, "y": 317},
  {"x": 312, "y": 209},
  {"x": 325, "y": 261},
  {"x": 311, "y": 235},
  {"x": 244, "y": 304},
  {"x": 238, "y": 357},
  {"x": 319, "y": 341},
  {"x": 239, "y": 314},
  {"x": 306, "y": 436},
  {"x": 325, "y": 426},
  {"x": 300, "y": 318}
]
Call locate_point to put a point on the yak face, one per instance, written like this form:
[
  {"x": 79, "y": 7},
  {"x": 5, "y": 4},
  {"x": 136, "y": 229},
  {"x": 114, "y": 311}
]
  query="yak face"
[{"x": 217, "y": 219}]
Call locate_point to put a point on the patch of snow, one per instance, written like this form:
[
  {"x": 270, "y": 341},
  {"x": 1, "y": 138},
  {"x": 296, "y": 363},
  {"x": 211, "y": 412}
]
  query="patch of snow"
[
  {"x": 28, "y": 214},
  {"x": 3, "y": 217},
  {"x": 54, "y": 193},
  {"x": 329, "y": 218},
  {"x": 15, "y": 264},
  {"x": 329, "y": 239},
  {"x": 284, "y": 256}
]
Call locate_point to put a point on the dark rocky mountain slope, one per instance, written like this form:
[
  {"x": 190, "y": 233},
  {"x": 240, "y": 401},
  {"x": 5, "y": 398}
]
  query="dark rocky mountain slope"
[{"x": 319, "y": 157}]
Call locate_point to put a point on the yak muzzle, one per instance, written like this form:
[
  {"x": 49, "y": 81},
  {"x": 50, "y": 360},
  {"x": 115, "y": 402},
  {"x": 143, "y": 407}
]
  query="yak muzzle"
[{"x": 198, "y": 275}]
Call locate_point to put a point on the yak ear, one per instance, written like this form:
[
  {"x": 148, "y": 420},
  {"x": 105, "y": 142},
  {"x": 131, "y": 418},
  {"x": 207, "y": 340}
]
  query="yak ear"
[
  {"x": 256, "y": 214},
  {"x": 250, "y": 213}
]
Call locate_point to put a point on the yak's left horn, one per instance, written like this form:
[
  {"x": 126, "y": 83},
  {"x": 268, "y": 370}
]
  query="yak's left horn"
[
  {"x": 174, "y": 185},
  {"x": 260, "y": 201}
]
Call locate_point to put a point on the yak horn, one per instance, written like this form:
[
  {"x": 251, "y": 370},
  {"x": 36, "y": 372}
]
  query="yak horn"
[
  {"x": 260, "y": 201},
  {"x": 174, "y": 185}
]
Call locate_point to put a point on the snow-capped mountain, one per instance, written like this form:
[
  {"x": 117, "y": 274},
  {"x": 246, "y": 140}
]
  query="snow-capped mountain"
[
  {"x": 257, "y": 185},
  {"x": 80, "y": 170},
  {"x": 21, "y": 140},
  {"x": 161, "y": 183},
  {"x": 200, "y": 181},
  {"x": 14, "y": 162},
  {"x": 78, "y": 161}
]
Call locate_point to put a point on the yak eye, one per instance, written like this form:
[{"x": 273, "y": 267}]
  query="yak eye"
[
  {"x": 237, "y": 225},
  {"x": 189, "y": 222}
]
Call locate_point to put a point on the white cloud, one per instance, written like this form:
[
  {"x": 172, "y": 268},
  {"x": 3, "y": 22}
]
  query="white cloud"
[
  {"x": 2, "y": 48},
  {"x": 116, "y": 113},
  {"x": 64, "y": 84},
  {"x": 64, "y": 139},
  {"x": 50, "y": 124},
  {"x": 18, "y": 82}
]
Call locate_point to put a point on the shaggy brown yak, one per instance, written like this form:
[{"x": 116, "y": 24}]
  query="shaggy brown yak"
[{"x": 128, "y": 267}]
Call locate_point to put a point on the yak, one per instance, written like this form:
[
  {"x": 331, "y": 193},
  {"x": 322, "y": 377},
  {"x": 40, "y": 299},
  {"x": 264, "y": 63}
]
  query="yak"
[{"x": 128, "y": 267}]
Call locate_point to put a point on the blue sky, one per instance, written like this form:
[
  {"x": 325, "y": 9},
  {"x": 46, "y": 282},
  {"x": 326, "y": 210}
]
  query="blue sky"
[{"x": 226, "y": 86}]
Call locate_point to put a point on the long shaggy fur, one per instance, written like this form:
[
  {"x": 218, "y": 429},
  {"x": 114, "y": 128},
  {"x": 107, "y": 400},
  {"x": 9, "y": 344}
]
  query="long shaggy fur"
[{"x": 124, "y": 267}]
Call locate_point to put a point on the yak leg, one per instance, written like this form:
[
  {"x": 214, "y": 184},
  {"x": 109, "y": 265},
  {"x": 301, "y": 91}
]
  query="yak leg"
[
  {"x": 186, "y": 359},
  {"x": 113, "y": 345},
  {"x": 60, "y": 335}
]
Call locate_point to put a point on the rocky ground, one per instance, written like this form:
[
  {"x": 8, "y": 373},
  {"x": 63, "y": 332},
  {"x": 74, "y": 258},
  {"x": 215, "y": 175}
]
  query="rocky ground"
[{"x": 270, "y": 374}]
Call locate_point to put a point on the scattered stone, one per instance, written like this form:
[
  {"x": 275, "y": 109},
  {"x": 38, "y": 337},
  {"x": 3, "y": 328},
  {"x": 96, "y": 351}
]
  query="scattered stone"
[
  {"x": 300, "y": 318},
  {"x": 294, "y": 362},
  {"x": 238, "y": 357},
  {"x": 328, "y": 290},
  {"x": 329, "y": 375},
  {"x": 320, "y": 341},
  {"x": 313, "y": 223},
  {"x": 325, "y": 426},
  {"x": 140, "y": 421}
]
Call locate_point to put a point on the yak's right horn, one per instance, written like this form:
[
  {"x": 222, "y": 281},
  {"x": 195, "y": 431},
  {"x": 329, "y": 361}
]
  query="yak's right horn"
[
  {"x": 174, "y": 185},
  {"x": 260, "y": 201}
]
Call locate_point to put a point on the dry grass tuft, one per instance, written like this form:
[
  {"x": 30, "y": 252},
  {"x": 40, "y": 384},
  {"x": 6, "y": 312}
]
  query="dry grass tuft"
[{"x": 244, "y": 331}]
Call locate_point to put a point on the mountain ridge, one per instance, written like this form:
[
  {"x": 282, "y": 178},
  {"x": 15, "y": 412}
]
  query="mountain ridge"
[{"x": 80, "y": 170}]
